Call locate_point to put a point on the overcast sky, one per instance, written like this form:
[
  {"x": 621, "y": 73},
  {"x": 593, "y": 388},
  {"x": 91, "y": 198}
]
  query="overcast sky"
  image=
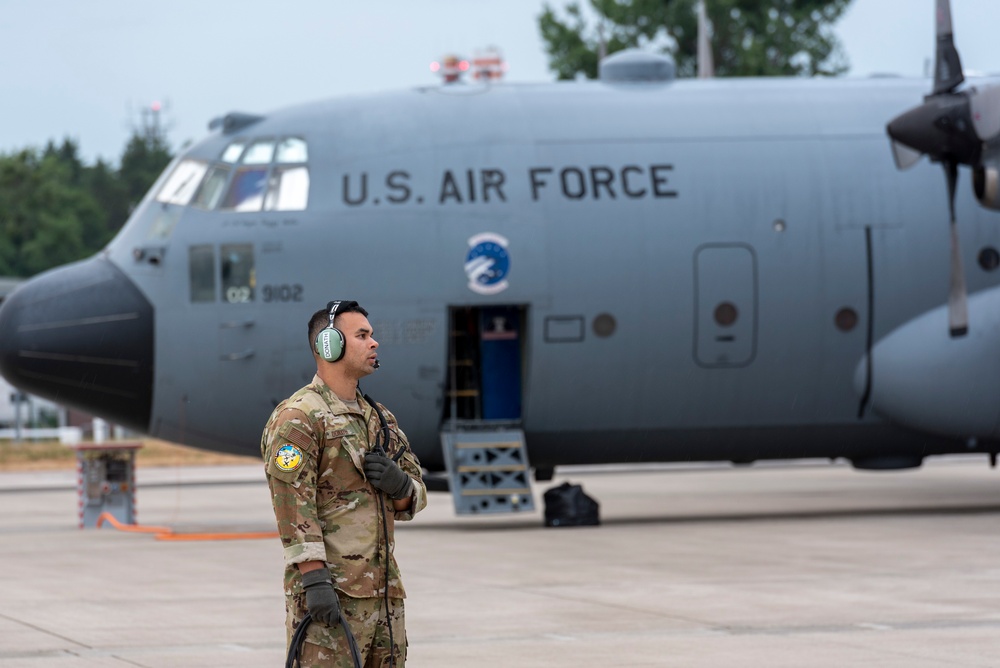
[{"x": 85, "y": 69}]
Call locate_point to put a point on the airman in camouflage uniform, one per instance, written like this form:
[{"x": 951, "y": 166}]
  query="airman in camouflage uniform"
[{"x": 315, "y": 447}]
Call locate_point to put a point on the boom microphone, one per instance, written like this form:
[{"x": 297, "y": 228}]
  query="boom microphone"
[{"x": 377, "y": 363}]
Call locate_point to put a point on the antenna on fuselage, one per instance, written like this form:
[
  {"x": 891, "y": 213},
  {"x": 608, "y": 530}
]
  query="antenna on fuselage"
[{"x": 706, "y": 64}]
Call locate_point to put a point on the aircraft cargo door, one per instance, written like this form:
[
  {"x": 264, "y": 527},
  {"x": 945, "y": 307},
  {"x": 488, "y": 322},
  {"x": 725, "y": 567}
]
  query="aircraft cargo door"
[
  {"x": 485, "y": 359},
  {"x": 725, "y": 320}
]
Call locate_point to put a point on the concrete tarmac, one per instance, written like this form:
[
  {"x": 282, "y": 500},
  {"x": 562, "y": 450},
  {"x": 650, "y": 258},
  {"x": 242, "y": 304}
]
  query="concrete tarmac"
[{"x": 772, "y": 566}]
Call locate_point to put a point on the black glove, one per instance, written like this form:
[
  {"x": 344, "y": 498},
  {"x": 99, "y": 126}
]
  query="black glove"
[
  {"x": 386, "y": 475},
  {"x": 321, "y": 598}
]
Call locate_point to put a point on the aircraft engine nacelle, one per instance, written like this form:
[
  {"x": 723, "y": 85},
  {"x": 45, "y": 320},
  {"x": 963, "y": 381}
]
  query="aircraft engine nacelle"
[
  {"x": 986, "y": 182},
  {"x": 923, "y": 379}
]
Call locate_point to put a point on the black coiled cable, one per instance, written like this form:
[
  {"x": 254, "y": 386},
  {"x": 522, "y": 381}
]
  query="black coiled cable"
[
  {"x": 299, "y": 637},
  {"x": 383, "y": 434}
]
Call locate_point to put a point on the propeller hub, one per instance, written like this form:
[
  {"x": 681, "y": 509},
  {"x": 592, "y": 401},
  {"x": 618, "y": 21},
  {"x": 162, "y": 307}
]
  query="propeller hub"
[{"x": 942, "y": 128}]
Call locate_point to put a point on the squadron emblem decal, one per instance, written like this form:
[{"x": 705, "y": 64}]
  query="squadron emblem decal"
[
  {"x": 487, "y": 264},
  {"x": 288, "y": 458}
]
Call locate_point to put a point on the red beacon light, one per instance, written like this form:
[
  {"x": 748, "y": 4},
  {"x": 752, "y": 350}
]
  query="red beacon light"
[
  {"x": 450, "y": 68},
  {"x": 488, "y": 65}
]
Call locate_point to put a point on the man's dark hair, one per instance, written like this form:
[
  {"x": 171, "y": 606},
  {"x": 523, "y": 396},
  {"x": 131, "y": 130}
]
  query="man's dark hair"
[{"x": 321, "y": 318}]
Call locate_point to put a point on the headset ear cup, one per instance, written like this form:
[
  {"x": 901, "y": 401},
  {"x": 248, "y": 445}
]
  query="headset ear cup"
[{"x": 330, "y": 344}]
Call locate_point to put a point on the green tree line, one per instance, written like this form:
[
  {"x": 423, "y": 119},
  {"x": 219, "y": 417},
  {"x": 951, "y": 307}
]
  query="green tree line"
[
  {"x": 55, "y": 209},
  {"x": 748, "y": 37}
]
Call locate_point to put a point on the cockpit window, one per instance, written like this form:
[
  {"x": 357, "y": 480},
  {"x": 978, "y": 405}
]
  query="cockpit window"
[
  {"x": 288, "y": 189},
  {"x": 292, "y": 149},
  {"x": 234, "y": 151},
  {"x": 246, "y": 192},
  {"x": 182, "y": 183},
  {"x": 212, "y": 188},
  {"x": 272, "y": 176},
  {"x": 259, "y": 153},
  {"x": 265, "y": 174}
]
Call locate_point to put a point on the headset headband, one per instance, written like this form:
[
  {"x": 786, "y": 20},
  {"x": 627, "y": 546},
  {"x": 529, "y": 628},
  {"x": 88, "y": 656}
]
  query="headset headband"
[
  {"x": 333, "y": 307},
  {"x": 338, "y": 305}
]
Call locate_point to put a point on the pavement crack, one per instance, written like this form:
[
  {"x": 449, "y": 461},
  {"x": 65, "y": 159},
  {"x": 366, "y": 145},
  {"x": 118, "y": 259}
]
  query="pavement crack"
[{"x": 40, "y": 629}]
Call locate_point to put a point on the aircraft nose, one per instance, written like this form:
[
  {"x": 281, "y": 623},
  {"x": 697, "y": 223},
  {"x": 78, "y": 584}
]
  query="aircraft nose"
[
  {"x": 82, "y": 336},
  {"x": 925, "y": 379}
]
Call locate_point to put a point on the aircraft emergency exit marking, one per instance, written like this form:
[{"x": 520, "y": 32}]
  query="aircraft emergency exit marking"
[{"x": 490, "y": 185}]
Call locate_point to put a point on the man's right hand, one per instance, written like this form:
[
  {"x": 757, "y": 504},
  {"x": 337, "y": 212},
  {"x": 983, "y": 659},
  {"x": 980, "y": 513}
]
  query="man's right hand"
[{"x": 321, "y": 598}]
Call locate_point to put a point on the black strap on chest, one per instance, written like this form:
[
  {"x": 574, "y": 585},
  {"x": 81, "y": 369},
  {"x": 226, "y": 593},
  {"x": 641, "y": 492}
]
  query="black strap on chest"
[
  {"x": 382, "y": 437},
  {"x": 381, "y": 441}
]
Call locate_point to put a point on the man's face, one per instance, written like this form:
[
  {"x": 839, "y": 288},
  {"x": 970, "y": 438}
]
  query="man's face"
[{"x": 360, "y": 347}]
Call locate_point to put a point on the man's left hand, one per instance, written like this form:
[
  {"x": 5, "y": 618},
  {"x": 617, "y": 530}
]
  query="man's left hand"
[{"x": 386, "y": 475}]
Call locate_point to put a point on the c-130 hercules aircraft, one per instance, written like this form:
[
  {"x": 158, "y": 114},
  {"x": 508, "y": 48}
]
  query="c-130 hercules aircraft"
[{"x": 634, "y": 269}]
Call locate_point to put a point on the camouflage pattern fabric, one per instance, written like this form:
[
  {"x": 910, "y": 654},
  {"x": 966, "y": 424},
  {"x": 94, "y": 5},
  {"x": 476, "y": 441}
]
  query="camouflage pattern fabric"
[
  {"x": 366, "y": 617},
  {"x": 313, "y": 448}
]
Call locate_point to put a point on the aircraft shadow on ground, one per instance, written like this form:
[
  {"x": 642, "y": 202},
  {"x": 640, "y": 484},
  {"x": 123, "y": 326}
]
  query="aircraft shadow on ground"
[{"x": 482, "y": 523}]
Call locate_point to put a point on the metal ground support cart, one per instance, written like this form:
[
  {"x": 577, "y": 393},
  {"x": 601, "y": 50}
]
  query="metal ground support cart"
[{"x": 105, "y": 481}]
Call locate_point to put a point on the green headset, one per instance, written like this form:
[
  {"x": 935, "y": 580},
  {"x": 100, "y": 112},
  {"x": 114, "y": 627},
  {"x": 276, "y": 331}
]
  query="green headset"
[{"x": 330, "y": 342}]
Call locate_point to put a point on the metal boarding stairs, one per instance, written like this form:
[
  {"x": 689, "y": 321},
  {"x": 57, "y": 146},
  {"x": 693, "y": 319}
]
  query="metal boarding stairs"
[{"x": 488, "y": 470}]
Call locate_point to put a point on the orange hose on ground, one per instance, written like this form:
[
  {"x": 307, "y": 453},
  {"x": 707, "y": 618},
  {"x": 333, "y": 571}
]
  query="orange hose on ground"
[
  {"x": 250, "y": 535},
  {"x": 166, "y": 533},
  {"x": 132, "y": 528}
]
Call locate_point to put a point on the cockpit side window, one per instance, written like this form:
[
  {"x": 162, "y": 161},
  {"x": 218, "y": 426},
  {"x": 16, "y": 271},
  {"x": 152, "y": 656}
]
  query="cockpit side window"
[
  {"x": 236, "y": 268},
  {"x": 180, "y": 186},
  {"x": 201, "y": 271},
  {"x": 238, "y": 273}
]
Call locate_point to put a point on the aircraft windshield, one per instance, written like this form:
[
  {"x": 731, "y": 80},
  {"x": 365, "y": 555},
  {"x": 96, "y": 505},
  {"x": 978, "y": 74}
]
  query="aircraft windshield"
[
  {"x": 269, "y": 175},
  {"x": 179, "y": 188},
  {"x": 246, "y": 192},
  {"x": 212, "y": 188}
]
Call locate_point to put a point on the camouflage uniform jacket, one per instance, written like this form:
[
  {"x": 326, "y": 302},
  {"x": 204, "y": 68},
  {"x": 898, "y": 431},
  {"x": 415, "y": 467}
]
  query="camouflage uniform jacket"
[{"x": 313, "y": 447}]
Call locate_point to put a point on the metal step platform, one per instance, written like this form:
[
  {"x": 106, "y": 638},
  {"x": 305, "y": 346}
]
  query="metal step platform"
[{"x": 488, "y": 470}]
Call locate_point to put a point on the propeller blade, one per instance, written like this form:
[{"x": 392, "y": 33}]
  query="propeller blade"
[
  {"x": 985, "y": 105},
  {"x": 904, "y": 156},
  {"x": 958, "y": 308},
  {"x": 947, "y": 65}
]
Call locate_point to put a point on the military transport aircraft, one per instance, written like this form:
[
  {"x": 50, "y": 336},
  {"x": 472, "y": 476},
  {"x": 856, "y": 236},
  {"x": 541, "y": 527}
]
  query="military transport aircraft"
[{"x": 634, "y": 269}]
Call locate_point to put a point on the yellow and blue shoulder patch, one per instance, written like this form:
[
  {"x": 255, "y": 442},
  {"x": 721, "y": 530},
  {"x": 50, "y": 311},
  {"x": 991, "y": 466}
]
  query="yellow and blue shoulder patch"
[{"x": 288, "y": 458}]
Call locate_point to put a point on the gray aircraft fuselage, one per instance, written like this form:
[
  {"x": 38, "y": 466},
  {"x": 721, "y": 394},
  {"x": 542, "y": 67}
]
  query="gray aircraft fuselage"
[{"x": 697, "y": 265}]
